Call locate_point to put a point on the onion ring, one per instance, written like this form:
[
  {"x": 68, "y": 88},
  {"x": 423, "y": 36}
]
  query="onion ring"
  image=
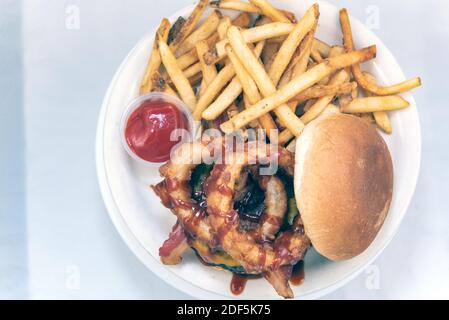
[
  {"x": 175, "y": 191},
  {"x": 287, "y": 249}
]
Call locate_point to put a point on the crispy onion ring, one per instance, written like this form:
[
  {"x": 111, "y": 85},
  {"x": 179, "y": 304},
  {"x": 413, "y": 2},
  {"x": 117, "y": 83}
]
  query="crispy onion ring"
[
  {"x": 257, "y": 252},
  {"x": 175, "y": 191},
  {"x": 287, "y": 249},
  {"x": 275, "y": 207}
]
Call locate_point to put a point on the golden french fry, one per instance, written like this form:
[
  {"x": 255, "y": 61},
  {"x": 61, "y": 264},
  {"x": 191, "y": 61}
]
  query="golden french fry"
[
  {"x": 169, "y": 90},
  {"x": 192, "y": 70},
  {"x": 288, "y": 48},
  {"x": 191, "y": 57},
  {"x": 336, "y": 51},
  {"x": 298, "y": 84},
  {"x": 225, "y": 23},
  {"x": 263, "y": 81},
  {"x": 270, "y": 11},
  {"x": 229, "y": 94},
  {"x": 245, "y": 7},
  {"x": 381, "y": 117},
  {"x": 300, "y": 65},
  {"x": 357, "y": 72},
  {"x": 252, "y": 94},
  {"x": 319, "y": 106},
  {"x": 374, "y": 104},
  {"x": 189, "y": 25},
  {"x": 187, "y": 59},
  {"x": 160, "y": 85},
  {"x": 253, "y": 124},
  {"x": 223, "y": 101},
  {"x": 204, "y": 31},
  {"x": 224, "y": 76},
  {"x": 290, "y": 15},
  {"x": 316, "y": 56},
  {"x": 252, "y": 35},
  {"x": 228, "y": 72},
  {"x": 235, "y": 5},
  {"x": 154, "y": 62},
  {"x": 189, "y": 73},
  {"x": 318, "y": 91},
  {"x": 176, "y": 75},
  {"x": 322, "y": 47},
  {"x": 209, "y": 71},
  {"x": 383, "y": 121},
  {"x": 286, "y": 77}
]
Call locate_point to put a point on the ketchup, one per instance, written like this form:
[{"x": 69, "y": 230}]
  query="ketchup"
[
  {"x": 238, "y": 284},
  {"x": 149, "y": 128}
]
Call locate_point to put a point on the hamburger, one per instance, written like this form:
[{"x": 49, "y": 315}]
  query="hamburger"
[{"x": 343, "y": 184}]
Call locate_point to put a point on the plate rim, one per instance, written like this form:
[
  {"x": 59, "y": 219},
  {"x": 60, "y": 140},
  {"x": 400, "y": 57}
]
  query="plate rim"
[{"x": 177, "y": 282}]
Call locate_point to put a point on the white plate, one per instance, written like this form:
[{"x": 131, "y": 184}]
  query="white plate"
[{"x": 144, "y": 223}]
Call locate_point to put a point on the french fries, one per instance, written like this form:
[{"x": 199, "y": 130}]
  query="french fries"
[
  {"x": 319, "y": 106},
  {"x": 269, "y": 11},
  {"x": 299, "y": 64},
  {"x": 319, "y": 91},
  {"x": 357, "y": 72},
  {"x": 203, "y": 32},
  {"x": 209, "y": 71},
  {"x": 178, "y": 78},
  {"x": 169, "y": 90},
  {"x": 245, "y": 7},
  {"x": 191, "y": 57},
  {"x": 187, "y": 59},
  {"x": 229, "y": 94},
  {"x": 375, "y": 104},
  {"x": 257, "y": 74},
  {"x": 263, "y": 81},
  {"x": 256, "y": 34},
  {"x": 381, "y": 117},
  {"x": 252, "y": 94},
  {"x": 235, "y": 5},
  {"x": 188, "y": 26},
  {"x": 192, "y": 70},
  {"x": 223, "y": 27},
  {"x": 298, "y": 84},
  {"x": 316, "y": 56},
  {"x": 220, "y": 81},
  {"x": 154, "y": 61},
  {"x": 288, "y": 48},
  {"x": 322, "y": 47}
]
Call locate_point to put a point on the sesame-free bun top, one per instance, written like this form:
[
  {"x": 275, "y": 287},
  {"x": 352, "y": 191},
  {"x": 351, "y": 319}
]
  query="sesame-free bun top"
[{"x": 343, "y": 184}]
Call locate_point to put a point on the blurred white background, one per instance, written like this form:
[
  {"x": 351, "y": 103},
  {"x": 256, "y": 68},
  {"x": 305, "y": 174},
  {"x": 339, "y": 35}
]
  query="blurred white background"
[{"x": 56, "y": 239}]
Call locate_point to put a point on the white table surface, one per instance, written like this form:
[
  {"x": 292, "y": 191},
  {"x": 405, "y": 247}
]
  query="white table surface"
[{"x": 56, "y": 239}]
